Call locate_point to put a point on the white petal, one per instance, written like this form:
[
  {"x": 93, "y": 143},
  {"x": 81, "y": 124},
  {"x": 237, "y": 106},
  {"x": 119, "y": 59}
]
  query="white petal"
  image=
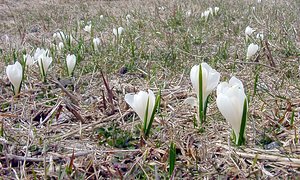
[
  {"x": 249, "y": 31},
  {"x": 252, "y": 49},
  {"x": 71, "y": 62},
  {"x": 230, "y": 101},
  {"x": 120, "y": 30},
  {"x": 228, "y": 109},
  {"x": 191, "y": 101},
  {"x": 236, "y": 82},
  {"x": 194, "y": 75},
  {"x": 15, "y": 73},
  {"x": 210, "y": 80},
  {"x": 115, "y": 32},
  {"x": 151, "y": 103}
]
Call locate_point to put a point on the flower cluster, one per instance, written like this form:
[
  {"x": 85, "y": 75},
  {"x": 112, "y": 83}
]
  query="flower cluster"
[
  {"x": 231, "y": 100},
  {"x": 210, "y": 12}
]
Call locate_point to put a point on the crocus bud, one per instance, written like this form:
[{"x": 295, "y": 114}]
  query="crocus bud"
[
  {"x": 139, "y": 103},
  {"x": 232, "y": 103},
  {"x": 249, "y": 31},
  {"x": 71, "y": 62},
  {"x": 15, "y": 74},
  {"x": 60, "y": 46},
  {"x": 118, "y": 32},
  {"x": 59, "y": 35},
  {"x": 44, "y": 61},
  {"x": 216, "y": 10},
  {"x": 260, "y": 36},
  {"x": 28, "y": 59},
  {"x": 96, "y": 42},
  {"x": 88, "y": 28},
  {"x": 252, "y": 49},
  {"x": 204, "y": 80}
]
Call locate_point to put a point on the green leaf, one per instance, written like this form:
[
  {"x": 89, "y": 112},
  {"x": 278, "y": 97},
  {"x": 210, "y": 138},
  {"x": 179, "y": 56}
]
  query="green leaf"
[
  {"x": 292, "y": 118},
  {"x": 146, "y": 117},
  {"x": 255, "y": 84},
  {"x": 156, "y": 106},
  {"x": 241, "y": 140},
  {"x": 200, "y": 100},
  {"x": 205, "y": 108},
  {"x": 172, "y": 158}
]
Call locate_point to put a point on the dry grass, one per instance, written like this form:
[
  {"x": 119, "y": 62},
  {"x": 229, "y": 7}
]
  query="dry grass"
[{"x": 56, "y": 131}]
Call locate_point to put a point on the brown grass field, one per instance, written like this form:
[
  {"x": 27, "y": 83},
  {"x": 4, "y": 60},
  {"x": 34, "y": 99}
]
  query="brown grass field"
[{"x": 82, "y": 128}]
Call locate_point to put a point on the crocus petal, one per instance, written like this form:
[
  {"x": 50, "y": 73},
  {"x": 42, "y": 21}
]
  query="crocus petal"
[
  {"x": 191, "y": 101},
  {"x": 228, "y": 109},
  {"x": 28, "y": 59},
  {"x": 15, "y": 74},
  {"x": 71, "y": 62},
  {"x": 88, "y": 28},
  {"x": 44, "y": 61},
  {"x": 138, "y": 103},
  {"x": 96, "y": 42},
  {"x": 120, "y": 30},
  {"x": 194, "y": 75},
  {"x": 115, "y": 32},
  {"x": 230, "y": 101},
  {"x": 252, "y": 49},
  {"x": 210, "y": 80},
  {"x": 249, "y": 31},
  {"x": 60, "y": 46}
]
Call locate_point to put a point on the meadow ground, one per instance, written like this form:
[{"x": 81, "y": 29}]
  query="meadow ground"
[{"x": 81, "y": 127}]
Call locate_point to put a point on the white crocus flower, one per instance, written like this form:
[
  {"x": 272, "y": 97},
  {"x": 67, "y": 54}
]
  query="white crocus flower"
[
  {"x": 205, "y": 14},
  {"x": 188, "y": 13},
  {"x": 252, "y": 49},
  {"x": 216, "y": 9},
  {"x": 15, "y": 74},
  {"x": 260, "y": 36},
  {"x": 128, "y": 18},
  {"x": 60, "y": 46},
  {"x": 101, "y": 17},
  {"x": 209, "y": 81},
  {"x": 231, "y": 100},
  {"x": 71, "y": 62},
  {"x": 40, "y": 53},
  {"x": 44, "y": 64},
  {"x": 44, "y": 61},
  {"x": 96, "y": 42},
  {"x": 211, "y": 11},
  {"x": 118, "y": 32},
  {"x": 88, "y": 28},
  {"x": 28, "y": 59},
  {"x": 248, "y": 32},
  {"x": 59, "y": 35},
  {"x": 139, "y": 103}
]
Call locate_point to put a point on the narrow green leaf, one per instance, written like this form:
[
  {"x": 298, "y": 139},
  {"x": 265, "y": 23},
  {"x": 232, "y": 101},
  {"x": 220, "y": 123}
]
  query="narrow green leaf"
[
  {"x": 200, "y": 100},
  {"x": 292, "y": 118},
  {"x": 146, "y": 118},
  {"x": 241, "y": 139},
  {"x": 205, "y": 108},
  {"x": 172, "y": 158},
  {"x": 156, "y": 106},
  {"x": 195, "y": 121}
]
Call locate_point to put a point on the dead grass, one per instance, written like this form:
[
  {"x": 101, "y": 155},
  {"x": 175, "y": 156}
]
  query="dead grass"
[{"x": 54, "y": 131}]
